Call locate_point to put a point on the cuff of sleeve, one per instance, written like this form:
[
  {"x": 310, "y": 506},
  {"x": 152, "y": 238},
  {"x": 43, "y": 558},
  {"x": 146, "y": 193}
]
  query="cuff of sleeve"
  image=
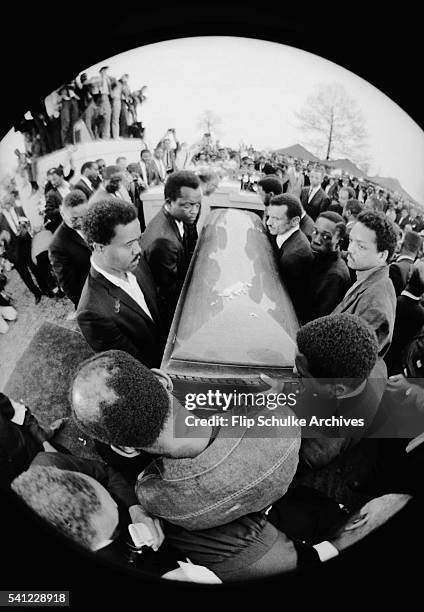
[
  {"x": 20, "y": 413},
  {"x": 307, "y": 556},
  {"x": 326, "y": 551}
]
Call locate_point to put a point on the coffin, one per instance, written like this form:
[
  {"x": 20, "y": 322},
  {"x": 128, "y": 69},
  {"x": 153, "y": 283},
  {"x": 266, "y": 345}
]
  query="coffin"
[{"x": 234, "y": 319}]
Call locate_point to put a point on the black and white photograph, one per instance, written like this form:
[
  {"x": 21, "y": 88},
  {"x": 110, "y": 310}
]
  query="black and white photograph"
[{"x": 211, "y": 306}]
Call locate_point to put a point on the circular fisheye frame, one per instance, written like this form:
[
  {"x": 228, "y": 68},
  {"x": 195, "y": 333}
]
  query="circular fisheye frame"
[{"x": 214, "y": 332}]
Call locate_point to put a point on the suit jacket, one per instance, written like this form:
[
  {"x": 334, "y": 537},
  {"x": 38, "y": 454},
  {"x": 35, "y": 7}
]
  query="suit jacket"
[
  {"x": 52, "y": 216},
  {"x": 168, "y": 257},
  {"x": 327, "y": 282},
  {"x": 70, "y": 258},
  {"x": 374, "y": 300},
  {"x": 307, "y": 226},
  {"x": 152, "y": 173},
  {"x": 11, "y": 245},
  {"x": 319, "y": 202},
  {"x": 399, "y": 272},
  {"x": 110, "y": 319},
  {"x": 294, "y": 258},
  {"x": 102, "y": 194},
  {"x": 408, "y": 322},
  {"x": 267, "y": 169},
  {"x": 82, "y": 186}
]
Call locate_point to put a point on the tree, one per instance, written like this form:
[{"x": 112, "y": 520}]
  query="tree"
[
  {"x": 335, "y": 124},
  {"x": 209, "y": 122}
]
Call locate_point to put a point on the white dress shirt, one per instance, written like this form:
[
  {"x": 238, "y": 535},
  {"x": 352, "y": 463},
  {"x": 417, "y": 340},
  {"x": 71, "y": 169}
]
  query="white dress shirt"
[
  {"x": 312, "y": 192},
  {"x": 64, "y": 189},
  {"x": 88, "y": 183},
  {"x": 281, "y": 238},
  {"x": 12, "y": 219},
  {"x": 130, "y": 286},
  {"x": 160, "y": 166},
  {"x": 180, "y": 226},
  {"x": 144, "y": 172}
]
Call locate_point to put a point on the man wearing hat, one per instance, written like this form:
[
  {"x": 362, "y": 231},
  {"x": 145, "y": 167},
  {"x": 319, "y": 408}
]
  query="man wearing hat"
[{"x": 112, "y": 186}]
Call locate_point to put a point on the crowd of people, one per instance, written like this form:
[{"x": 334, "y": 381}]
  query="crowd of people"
[
  {"x": 100, "y": 107},
  {"x": 351, "y": 261}
]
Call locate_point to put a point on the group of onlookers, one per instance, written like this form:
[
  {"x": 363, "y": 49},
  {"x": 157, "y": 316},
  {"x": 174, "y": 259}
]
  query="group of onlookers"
[{"x": 100, "y": 107}]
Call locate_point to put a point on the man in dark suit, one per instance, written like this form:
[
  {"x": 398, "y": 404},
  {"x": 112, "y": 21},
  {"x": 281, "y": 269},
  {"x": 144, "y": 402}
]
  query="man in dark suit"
[
  {"x": 16, "y": 238},
  {"x": 54, "y": 196},
  {"x": 306, "y": 224},
  {"x": 401, "y": 269},
  {"x": 263, "y": 166},
  {"x": 69, "y": 252},
  {"x": 118, "y": 308},
  {"x": 328, "y": 278},
  {"x": 148, "y": 169},
  {"x": 294, "y": 253},
  {"x": 166, "y": 241},
  {"x": 409, "y": 318},
  {"x": 313, "y": 198},
  {"x": 89, "y": 179}
]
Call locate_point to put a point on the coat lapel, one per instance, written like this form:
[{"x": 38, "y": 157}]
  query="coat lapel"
[
  {"x": 118, "y": 296},
  {"x": 73, "y": 234},
  {"x": 353, "y": 296}
]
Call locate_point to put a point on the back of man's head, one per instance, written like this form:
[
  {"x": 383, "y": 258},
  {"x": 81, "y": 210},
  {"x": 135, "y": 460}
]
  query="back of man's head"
[
  {"x": 87, "y": 166},
  {"x": 411, "y": 243},
  {"x": 338, "y": 346},
  {"x": 64, "y": 499},
  {"x": 176, "y": 181},
  {"x": 271, "y": 184},
  {"x": 102, "y": 218},
  {"x": 74, "y": 198},
  {"x": 354, "y": 207},
  {"x": 117, "y": 400},
  {"x": 294, "y": 207}
]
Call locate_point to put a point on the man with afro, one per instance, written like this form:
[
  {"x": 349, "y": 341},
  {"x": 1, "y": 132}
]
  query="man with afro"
[
  {"x": 202, "y": 477},
  {"x": 343, "y": 378},
  {"x": 372, "y": 242}
]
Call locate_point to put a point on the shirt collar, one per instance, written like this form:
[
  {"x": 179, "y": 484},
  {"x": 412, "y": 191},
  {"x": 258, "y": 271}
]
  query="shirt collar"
[
  {"x": 405, "y": 257},
  {"x": 87, "y": 182},
  {"x": 361, "y": 275},
  {"x": 281, "y": 238},
  {"x": 410, "y": 295},
  {"x": 110, "y": 277},
  {"x": 180, "y": 226}
]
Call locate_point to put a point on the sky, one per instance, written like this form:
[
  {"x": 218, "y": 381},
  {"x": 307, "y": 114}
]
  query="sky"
[{"x": 255, "y": 87}]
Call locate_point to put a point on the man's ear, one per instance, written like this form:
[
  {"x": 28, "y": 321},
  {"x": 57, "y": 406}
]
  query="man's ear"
[
  {"x": 340, "y": 390},
  {"x": 97, "y": 247},
  {"x": 384, "y": 255},
  {"x": 295, "y": 221},
  {"x": 163, "y": 378},
  {"x": 302, "y": 365}
]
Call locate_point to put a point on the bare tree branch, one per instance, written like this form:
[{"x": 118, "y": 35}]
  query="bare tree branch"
[{"x": 334, "y": 124}]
